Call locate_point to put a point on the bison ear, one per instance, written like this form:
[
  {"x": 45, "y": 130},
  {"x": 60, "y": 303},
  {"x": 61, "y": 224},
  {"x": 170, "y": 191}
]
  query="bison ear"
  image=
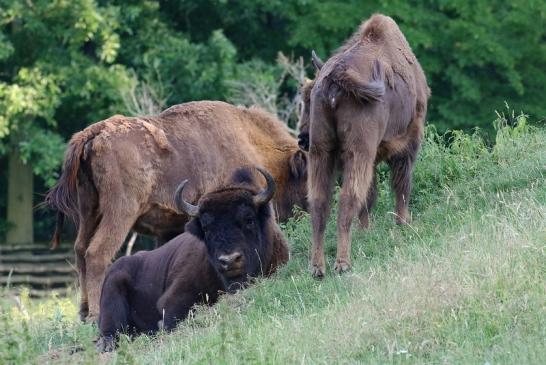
[
  {"x": 194, "y": 227},
  {"x": 316, "y": 61},
  {"x": 298, "y": 164}
]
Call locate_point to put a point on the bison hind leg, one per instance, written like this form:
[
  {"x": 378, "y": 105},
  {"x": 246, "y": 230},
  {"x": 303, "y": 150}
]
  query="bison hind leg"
[
  {"x": 106, "y": 242},
  {"x": 321, "y": 182},
  {"x": 88, "y": 223}
]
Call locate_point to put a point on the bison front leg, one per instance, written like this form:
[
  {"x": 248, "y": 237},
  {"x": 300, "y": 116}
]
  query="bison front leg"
[
  {"x": 401, "y": 171},
  {"x": 114, "y": 314},
  {"x": 364, "y": 215},
  {"x": 401, "y": 166},
  {"x": 174, "y": 306},
  {"x": 401, "y": 161}
]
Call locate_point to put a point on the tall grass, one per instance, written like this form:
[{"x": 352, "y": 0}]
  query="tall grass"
[{"x": 464, "y": 283}]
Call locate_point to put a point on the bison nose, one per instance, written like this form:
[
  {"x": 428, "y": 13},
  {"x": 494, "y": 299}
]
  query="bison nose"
[{"x": 227, "y": 261}]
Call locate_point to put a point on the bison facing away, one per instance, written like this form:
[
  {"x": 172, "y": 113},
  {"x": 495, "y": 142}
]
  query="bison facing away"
[
  {"x": 121, "y": 173},
  {"x": 367, "y": 104},
  {"x": 231, "y": 237}
]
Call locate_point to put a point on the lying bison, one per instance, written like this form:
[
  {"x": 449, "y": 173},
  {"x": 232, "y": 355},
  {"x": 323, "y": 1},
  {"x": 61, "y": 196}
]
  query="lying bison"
[
  {"x": 367, "y": 104},
  {"x": 232, "y": 236},
  {"x": 121, "y": 173}
]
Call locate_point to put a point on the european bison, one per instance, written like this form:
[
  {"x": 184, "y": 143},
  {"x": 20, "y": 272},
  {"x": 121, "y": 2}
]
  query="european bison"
[
  {"x": 232, "y": 236},
  {"x": 367, "y": 104},
  {"x": 120, "y": 174}
]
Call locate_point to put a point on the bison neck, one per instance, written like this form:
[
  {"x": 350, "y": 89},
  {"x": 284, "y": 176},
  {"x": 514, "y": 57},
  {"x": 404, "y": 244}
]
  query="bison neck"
[
  {"x": 276, "y": 160},
  {"x": 277, "y": 250}
]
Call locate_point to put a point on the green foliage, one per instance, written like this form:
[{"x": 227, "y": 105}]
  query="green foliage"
[
  {"x": 477, "y": 55},
  {"x": 255, "y": 83},
  {"x": 66, "y": 64},
  {"x": 33, "y": 95},
  {"x": 58, "y": 56},
  {"x": 45, "y": 148},
  {"x": 192, "y": 71},
  {"x": 25, "y": 322}
]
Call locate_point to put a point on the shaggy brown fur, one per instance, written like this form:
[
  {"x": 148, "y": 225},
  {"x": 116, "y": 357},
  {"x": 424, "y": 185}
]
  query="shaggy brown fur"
[
  {"x": 232, "y": 237},
  {"x": 120, "y": 174},
  {"x": 367, "y": 104}
]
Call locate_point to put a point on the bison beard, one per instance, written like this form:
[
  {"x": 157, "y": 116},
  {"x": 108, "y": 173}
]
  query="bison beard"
[
  {"x": 231, "y": 237},
  {"x": 367, "y": 104}
]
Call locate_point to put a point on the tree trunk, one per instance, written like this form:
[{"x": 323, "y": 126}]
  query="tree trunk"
[{"x": 20, "y": 189}]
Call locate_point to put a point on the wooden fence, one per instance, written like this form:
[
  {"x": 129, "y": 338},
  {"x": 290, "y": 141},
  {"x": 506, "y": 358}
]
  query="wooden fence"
[{"x": 38, "y": 268}]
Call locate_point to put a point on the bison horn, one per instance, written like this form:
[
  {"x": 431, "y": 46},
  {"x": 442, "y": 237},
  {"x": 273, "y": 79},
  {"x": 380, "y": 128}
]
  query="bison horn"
[
  {"x": 264, "y": 196},
  {"x": 316, "y": 61},
  {"x": 181, "y": 204}
]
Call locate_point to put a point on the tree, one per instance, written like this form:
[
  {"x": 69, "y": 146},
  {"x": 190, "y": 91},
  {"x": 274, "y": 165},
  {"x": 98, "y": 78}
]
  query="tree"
[
  {"x": 52, "y": 54},
  {"x": 477, "y": 55},
  {"x": 66, "y": 64}
]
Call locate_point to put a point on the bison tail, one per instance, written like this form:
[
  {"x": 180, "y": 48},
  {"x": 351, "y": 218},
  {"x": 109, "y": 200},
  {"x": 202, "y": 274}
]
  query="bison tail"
[
  {"x": 351, "y": 81},
  {"x": 63, "y": 196},
  {"x": 56, "y": 239}
]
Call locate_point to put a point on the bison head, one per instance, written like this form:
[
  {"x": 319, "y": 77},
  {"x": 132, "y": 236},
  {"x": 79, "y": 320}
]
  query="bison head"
[
  {"x": 232, "y": 222},
  {"x": 293, "y": 190}
]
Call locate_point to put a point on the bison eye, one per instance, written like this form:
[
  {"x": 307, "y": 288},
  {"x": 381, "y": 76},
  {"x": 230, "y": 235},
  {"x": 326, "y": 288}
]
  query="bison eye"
[{"x": 249, "y": 223}]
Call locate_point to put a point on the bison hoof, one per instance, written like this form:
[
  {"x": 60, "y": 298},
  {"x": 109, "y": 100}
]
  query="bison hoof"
[
  {"x": 342, "y": 266},
  {"x": 364, "y": 222},
  {"x": 106, "y": 344},
  {"x": 403, "y": 221},
  {"x": 318, "y": 271},
  {"x": 403, "y": 216},
  {"x": 92, "y": 318},
  {"x": 84, "y": 311}
]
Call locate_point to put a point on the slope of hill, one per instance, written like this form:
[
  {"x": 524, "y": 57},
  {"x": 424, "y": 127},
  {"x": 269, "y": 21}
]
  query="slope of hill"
[{"x": 464, "y": 283}]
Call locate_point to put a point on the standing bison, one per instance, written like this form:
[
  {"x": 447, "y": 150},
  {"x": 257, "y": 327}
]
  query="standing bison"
[
  {"x": 367, "y": 104},
  {"x": 232, "y": 236},
  {"x": 121, "y": 173}
]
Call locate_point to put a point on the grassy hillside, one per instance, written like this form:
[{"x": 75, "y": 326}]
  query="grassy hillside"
[{"x": 463, "y": 284}]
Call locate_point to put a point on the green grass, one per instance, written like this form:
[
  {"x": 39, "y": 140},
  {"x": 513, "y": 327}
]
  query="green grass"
[{"x": 464, "y": 284}]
